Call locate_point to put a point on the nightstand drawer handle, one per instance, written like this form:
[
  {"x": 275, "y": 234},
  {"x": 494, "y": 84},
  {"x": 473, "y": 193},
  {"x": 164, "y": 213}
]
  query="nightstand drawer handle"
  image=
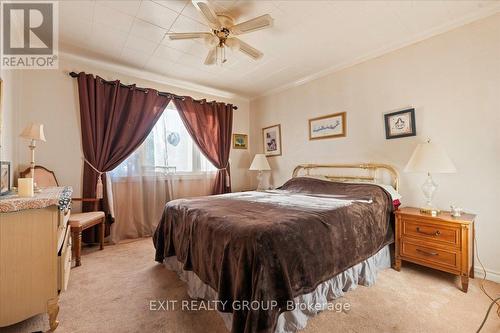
[
  {"x": 437, "y": 233},
  {"x": 428, "y": 253}
]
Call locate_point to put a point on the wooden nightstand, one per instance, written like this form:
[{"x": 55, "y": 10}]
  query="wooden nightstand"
[{"x": 442, "y": 242}]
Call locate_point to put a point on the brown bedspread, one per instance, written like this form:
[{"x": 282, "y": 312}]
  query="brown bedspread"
[{"x": 276, "y": 245}]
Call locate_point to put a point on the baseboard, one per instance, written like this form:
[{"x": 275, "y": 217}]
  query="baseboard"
[{"x": 490, "y": 275}]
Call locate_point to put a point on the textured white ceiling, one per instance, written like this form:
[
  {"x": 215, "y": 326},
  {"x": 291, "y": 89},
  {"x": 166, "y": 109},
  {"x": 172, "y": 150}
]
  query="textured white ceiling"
[{"x": 308, "y": 37}]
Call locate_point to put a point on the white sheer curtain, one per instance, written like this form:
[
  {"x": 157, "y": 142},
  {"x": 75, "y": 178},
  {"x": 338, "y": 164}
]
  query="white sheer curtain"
[{"x": 167, "y": 166}]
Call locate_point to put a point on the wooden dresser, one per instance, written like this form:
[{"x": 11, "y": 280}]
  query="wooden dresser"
[
  {"x": 442, "y": 242},
  {"x": 35, "y": 255}
]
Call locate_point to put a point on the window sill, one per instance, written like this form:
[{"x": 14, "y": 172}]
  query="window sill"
[{"x": 179, "y": 176}]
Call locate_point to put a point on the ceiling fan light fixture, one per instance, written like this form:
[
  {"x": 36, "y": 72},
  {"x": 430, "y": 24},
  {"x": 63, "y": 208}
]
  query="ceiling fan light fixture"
[
  {"x": 211, "y": 41},
  {"x": 223, "y": 29},
  {"x": 233, "y": 44}
]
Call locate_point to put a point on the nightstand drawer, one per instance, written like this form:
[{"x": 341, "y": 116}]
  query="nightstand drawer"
[
  {"x": 447, "y": 258},
  {"x": 443, "y": 242},
  {"x": 439, "y": 233}
]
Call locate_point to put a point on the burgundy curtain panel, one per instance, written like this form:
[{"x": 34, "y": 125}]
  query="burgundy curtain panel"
[
  {"x": 115, "y": 120},
  {"x": 210, "y": 124}
]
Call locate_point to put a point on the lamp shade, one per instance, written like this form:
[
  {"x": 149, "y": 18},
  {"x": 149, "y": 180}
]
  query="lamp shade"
[
  {"x": 431, "y": 158},
  {"x": 34, "y": 132},
  {"x": 260, "y": 163}
]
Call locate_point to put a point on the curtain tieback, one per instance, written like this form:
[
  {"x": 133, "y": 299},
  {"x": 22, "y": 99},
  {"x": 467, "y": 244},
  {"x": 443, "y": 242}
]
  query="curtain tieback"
[
  {"x": 99, "y": 187},
  {"x": 228, "y": 179}
]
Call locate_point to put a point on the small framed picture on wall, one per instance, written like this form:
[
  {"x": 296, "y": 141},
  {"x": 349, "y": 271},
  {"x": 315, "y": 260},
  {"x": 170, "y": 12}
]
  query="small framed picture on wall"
[
  {"x": 240, "y": 141},
  {"x": 330, "y": 126},
  {"x": 400, "y": 124},
  {"x": 271, "y": 136}
]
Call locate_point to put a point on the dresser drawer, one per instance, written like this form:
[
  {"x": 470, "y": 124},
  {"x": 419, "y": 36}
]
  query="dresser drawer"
[
  {"x": 62, "y": 224},
  {"x": 448, "y": 258},
  {"x": 64, "y": 263},
  {"x": 437, "y": 233},
  {"x": 64, "y": 217}
]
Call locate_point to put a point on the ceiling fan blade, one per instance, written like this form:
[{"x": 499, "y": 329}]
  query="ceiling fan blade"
[
  {"x": 261, "y": 22},
  {"x": 188, "y": 35},
  {"x": 208, "y": 13},
  {"x": 249, "y": 50},
  {"x": 211, "y": 56}
]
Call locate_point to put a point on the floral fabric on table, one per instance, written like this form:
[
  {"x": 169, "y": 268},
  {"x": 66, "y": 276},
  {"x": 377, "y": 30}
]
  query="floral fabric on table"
[{"x": 50, "y": 196}]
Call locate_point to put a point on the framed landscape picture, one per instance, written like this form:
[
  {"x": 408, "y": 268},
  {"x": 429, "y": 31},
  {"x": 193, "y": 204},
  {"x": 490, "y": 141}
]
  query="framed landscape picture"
[
  {"x": 400, "y": 124},
  {"x": 240, "y": 141},
  {"x": 271, "y": 137},
  {"x": 330, "y": 126},
  {"x": 4, "y": 177}
]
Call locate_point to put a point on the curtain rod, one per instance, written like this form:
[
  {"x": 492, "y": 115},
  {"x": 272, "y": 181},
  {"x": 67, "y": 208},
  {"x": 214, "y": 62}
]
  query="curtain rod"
[{"x": 169, "y": 95}]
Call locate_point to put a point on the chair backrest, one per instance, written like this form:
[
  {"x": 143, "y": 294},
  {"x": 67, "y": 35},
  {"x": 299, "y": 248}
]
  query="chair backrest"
[{"x": 43, "y": 176}]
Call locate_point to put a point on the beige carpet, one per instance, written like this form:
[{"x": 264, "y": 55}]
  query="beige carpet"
[{"x": 111, "y": 291}]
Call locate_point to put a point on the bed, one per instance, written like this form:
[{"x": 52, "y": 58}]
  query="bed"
[{"x": 262, "y": 254}]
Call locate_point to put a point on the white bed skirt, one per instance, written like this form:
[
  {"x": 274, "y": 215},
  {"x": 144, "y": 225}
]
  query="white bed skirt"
[{"x": 364, "y": 273}]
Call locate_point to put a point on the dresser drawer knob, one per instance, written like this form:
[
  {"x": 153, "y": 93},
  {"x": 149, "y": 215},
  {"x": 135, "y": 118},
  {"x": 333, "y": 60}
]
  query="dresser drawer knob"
[
  {"x": 437, "y": 233},
  {"x": 428, "y": 253}
]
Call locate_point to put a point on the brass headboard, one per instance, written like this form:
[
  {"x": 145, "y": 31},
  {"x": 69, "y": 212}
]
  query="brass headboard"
[{"x": 372, "y": 169}]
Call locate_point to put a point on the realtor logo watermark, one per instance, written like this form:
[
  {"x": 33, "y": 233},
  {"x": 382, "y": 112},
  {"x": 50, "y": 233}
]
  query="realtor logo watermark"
[{"x": 29, "y": 36}]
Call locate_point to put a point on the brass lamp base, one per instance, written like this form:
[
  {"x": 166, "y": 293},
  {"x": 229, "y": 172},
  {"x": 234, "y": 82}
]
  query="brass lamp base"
[{"x": 430, "y": 211}]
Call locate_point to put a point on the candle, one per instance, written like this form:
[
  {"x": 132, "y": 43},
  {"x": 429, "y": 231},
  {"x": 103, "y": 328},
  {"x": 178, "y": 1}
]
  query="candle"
[{"x": 25, "y": 187}]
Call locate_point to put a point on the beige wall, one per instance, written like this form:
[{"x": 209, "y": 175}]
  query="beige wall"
[
  {"x": 9, "y": 106},
  {"x": 453, "y": 82},
  {"x": 50, "y": 97}
]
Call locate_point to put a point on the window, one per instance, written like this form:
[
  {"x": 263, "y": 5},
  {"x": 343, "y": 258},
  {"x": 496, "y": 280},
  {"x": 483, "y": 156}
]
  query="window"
[{"x": 168, "y": 149}]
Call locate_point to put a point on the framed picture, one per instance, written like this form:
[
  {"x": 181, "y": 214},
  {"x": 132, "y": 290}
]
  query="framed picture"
[
  {"x": 330, "y": 126},
  {"x": 240, "y": 141},
  {"x": 400, "y": 124},
  {"x": 271, "y": 137},
  {"x": 4, "y": 177}
]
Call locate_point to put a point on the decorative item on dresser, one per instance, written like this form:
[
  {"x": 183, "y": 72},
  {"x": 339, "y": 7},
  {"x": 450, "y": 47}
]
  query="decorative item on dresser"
[
  {"x": 442, "y": 242},
  {"x": 35, "y": 254},
  {"x": 33, "y": 132}
]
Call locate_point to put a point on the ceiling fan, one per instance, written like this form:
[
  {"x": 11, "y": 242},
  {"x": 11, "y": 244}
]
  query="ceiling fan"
[{"x": 223, "y": 30}]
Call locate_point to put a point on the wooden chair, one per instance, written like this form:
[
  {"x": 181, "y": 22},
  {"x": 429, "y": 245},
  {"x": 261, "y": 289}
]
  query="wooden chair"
[
  {"x": 81, "y": 221},
  {"x": 77, "y": 221}
]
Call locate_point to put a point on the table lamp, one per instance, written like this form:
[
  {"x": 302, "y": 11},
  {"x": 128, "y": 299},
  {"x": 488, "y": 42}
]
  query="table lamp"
[
  {"x": 429, "y": 158},
  {"x": 260, "y": 164},
  {"x": 33, "y": 132}
]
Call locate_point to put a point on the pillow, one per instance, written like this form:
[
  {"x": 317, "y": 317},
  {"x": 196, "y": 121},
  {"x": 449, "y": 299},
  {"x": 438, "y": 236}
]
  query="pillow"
[
  {"x": 396, "y": 197},
  {"x": 392, "y": 191}
]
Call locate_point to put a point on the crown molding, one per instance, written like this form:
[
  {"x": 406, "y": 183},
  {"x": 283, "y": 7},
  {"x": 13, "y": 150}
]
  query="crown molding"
[
  {"x": 149, "y": 76},
  {"x": 480, "y": 14}
]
